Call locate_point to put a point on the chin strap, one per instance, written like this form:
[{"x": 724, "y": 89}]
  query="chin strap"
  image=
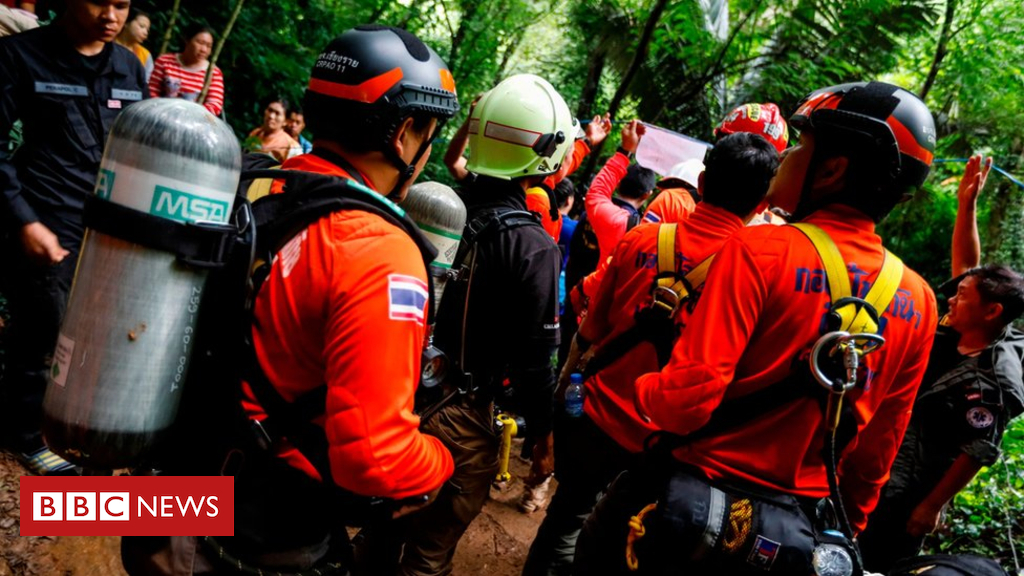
[{"x": 406, "y": 170}]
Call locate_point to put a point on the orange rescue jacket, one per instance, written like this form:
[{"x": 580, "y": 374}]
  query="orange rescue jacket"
[{"x": 763, "y": 306}]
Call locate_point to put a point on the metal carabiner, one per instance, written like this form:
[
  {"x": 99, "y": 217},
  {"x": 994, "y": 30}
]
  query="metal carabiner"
[
  {"x": 852, "y": 347},
  {"x": 671, "y": 299}
]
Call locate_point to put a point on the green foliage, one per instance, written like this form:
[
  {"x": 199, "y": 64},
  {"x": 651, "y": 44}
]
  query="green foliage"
[{"x": 985, "y": 518}]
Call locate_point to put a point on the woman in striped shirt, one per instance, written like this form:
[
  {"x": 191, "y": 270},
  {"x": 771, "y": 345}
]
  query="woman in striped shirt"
[{"x": 182, "y": 75}]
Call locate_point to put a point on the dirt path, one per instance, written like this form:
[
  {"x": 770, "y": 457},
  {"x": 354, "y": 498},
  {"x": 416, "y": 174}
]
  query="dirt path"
[{"x": 495, "y": 544}]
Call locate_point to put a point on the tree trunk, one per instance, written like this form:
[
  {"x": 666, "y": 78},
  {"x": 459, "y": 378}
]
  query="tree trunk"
[
  {"x": 638, "y": 57},
  {"x": 595, "y": 69},
  {"x": 634, "y": 66},
  {"x": 216, "y": 51},
  {"x": 941, "y": 49},
  {"x": 469, "y": 10},
  {"x": 170, "y": 28},
  {"x": 510, "y": 50}
]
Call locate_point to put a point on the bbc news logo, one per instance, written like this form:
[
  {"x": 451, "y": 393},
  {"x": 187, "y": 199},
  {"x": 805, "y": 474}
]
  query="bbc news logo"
[
  {"x": 127, "y": 506},
  {"x": 114, "y": 506}
]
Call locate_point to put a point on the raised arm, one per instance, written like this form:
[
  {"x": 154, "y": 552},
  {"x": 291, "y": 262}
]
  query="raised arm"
[
  {"x": 966, "y": 252},
  {"x": 453, "y": 157}
]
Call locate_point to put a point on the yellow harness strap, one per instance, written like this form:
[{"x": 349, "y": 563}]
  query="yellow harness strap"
[
  {"x": 260, "y": 187},
  {"x": 667, "y": 282},
  {"x": 855, "y": 319}
]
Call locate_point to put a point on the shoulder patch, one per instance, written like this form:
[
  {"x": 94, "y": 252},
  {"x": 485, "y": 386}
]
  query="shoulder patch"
[
  {"x": 980, "y": 417},
  {"x": 407, "y": 298}
]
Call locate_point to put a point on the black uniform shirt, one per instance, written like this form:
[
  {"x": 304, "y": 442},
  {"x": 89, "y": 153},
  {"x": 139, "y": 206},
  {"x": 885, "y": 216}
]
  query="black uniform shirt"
[
  {"x": 67, "y": 103},
  {"x": 963, "y": 407},
  {"x": 512, "y": 327}
]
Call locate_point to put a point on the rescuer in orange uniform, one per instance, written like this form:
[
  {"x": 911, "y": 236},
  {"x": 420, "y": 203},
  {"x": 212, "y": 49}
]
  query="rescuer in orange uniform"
[
  {"x": 611, "y": 217},
  {"x": 592, "y": 449},
  {"x": 344, "y": 306},
  {"x": 741, "y": 496}
]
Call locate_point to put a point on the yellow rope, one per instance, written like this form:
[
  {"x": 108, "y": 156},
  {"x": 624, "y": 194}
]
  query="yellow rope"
[
  {"x": 740, "y": 515},
  {"x": 636, "y": 532}
]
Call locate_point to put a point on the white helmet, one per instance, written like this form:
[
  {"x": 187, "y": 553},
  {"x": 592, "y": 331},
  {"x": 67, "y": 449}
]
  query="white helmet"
[
  {"x": 687, "y": 171},
  {"x": 521, "y": 127}
]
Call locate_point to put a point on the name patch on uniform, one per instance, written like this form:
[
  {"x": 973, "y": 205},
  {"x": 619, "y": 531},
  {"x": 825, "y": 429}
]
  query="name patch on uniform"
[
  {"x": 61, "y": 89},
  {"x": 407, "y": 296},
  {"x": 114, "y": 104},
  {"x": 118, "y": 94}
]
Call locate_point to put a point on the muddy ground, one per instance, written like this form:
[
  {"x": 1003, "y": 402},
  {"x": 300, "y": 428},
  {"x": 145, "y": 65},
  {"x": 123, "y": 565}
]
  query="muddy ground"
[{"x": 495, "y": 544}]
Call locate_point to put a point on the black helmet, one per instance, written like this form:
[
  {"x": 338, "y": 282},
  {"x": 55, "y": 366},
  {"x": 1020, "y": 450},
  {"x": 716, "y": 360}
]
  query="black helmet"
[
  {"x": 883, "y": 123},
  {"x": 367, "y": 81}
]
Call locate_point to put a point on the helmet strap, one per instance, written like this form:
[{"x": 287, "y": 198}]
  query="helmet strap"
[{"x": 406, "y": 170}]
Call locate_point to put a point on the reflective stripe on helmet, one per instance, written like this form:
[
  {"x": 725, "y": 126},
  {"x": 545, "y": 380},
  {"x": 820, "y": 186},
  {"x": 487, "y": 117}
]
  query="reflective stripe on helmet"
[
  {"x": 907, "y": 143},
  {"x": 367, "y": 92},
  {"x": 511, "y": 134}
]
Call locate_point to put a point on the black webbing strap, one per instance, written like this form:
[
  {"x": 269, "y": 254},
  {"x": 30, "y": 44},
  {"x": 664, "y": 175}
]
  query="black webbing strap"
[
  {"x": 292, "y": 420},
  {"x": 308, "y": 197},
  {"x": 651, "y": 325},
  {"x": 742, "y": 410},
  {"x": 633, "y": 221},
  {"x": 203, "y": 245},
  {"x": 487, "y": 222}
]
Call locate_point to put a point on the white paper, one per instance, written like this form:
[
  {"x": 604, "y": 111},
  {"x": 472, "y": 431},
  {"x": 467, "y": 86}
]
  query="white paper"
[{"x": 661, "y": 149}]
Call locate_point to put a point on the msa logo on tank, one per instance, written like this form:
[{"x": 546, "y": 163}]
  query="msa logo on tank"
[
  {"x": 104, "y": 183},
  {"x": 184, "y": 207},
  {"x": 188, "y": 200}
]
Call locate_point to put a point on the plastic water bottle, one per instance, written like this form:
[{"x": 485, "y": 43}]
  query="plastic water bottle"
[{"x": 574, "y": 396}]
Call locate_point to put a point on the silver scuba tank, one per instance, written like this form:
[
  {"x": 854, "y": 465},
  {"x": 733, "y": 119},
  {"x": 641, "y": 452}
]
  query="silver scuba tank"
[
  {"x": 441, "y": 215},
  {"x": 123, "y": 350}
]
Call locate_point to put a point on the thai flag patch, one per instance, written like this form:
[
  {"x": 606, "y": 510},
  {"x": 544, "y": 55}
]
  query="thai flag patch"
[
  {"x": 407, "y": 297},
  {"x": 763, "y": 553}
]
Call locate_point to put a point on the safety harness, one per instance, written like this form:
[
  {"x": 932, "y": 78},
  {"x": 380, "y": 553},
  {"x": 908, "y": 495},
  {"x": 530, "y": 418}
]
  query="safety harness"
[
  {"x": 834, "y": 360},
  {"x": 855, "y": 326},
  {"x": 655, "y": 323}
]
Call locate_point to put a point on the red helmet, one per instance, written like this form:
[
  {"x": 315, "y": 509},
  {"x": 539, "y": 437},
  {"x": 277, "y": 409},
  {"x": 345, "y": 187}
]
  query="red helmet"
[{"x": 763, "y": 119}]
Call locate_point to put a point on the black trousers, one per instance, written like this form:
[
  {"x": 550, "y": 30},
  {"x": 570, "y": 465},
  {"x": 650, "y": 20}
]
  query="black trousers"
[
  {"x": 586, "y": 461},
  {"x": 37, "y": 297},
  {"x": 885, "y": 541}
]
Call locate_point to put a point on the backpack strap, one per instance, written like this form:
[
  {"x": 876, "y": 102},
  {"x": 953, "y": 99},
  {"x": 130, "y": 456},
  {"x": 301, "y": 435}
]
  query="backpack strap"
[
  {"x": 197, "y": 244},
  {"x": 655, "y": 323},
  {"x": 633, "y": 220}
]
